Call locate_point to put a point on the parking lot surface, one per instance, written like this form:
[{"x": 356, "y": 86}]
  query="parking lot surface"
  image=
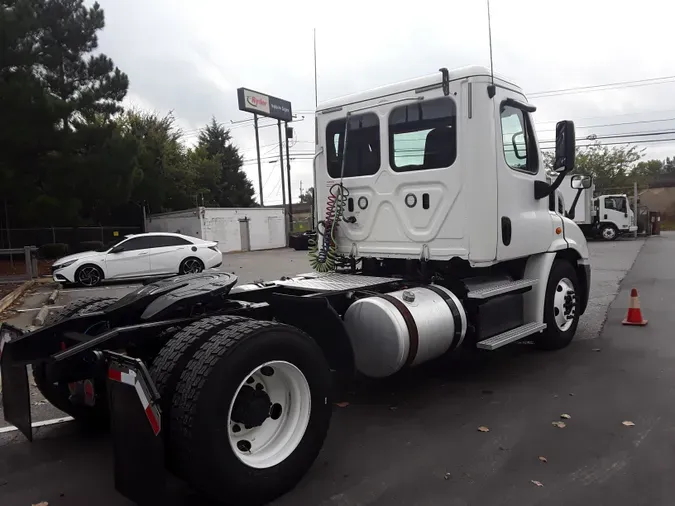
[{"x": 413, "y": 439}]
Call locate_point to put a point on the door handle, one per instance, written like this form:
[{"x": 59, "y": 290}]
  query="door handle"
[{"x": 142, "y": 253}]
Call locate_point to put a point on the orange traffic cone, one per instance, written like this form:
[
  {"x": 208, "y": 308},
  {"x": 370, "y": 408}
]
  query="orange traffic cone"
[{"x": 634, "y": 316}]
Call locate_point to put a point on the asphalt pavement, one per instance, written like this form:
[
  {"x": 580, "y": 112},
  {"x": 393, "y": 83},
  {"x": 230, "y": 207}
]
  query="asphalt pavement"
[{"x": 413, "y": 439}]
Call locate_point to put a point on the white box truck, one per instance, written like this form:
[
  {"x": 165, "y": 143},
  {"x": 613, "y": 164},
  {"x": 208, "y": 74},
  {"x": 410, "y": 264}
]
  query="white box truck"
[{"x": 605, "y": 216}]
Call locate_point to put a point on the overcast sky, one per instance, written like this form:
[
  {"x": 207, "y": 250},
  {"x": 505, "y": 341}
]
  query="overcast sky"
[{"x": 190, "y": 57}]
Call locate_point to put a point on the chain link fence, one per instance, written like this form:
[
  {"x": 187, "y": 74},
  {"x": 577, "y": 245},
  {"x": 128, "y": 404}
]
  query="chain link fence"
[{"x": 73, "y": 237}]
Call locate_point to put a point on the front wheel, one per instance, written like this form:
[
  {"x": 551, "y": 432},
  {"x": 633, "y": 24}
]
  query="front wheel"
[
  {"x": 251, "y": 412},
  {"x": 609, "y": 232},
  {"x": 561, "y": 307},
  {"x": 89, "y": 276}
]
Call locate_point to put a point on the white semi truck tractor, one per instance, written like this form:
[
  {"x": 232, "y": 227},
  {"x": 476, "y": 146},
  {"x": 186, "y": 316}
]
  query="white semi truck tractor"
[{"x": 438, "y": 228}]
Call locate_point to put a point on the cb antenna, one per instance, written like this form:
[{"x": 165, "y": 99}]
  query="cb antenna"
[{"x": 491, "y": 88}]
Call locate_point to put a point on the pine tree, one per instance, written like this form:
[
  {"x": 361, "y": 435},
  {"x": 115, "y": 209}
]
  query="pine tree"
[
  {"x": 234, "y": 188},
  {"x": 87, "y": 84}
]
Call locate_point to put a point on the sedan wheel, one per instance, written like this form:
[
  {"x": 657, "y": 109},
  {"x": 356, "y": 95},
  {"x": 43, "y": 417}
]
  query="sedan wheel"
[
  {"x": 191, "y": 266},
  {"x": 89, "y": 276}
]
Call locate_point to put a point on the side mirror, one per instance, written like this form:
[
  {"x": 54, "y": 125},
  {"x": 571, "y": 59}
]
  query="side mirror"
[
  {"x": 565, "y": 146},
  {"x": 579, "y": 182},
  {"x": 519, "y": 139}
]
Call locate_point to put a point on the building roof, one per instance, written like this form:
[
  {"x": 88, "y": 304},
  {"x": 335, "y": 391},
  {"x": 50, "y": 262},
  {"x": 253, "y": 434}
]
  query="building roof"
[{"x": 412, "y": 84}]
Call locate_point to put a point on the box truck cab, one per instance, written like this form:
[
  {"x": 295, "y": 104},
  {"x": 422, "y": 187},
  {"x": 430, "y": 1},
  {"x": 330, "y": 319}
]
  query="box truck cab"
[{"x": 613, "y": 216}]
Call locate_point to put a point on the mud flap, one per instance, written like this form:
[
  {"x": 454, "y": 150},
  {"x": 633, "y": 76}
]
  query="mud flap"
[
  {"x": 15, "y": 393},
  {"x": 136, "y": 430}
]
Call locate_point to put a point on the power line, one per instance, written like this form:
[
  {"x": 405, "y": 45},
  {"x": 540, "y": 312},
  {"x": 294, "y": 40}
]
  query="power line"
[
  {"x": 615, "y": 124},
  {"x": 613, "y": 115},
  {"x": 647, "y": 141},
  {"x": 603, "y": 87},
  {"x": 650, "y": 133}
]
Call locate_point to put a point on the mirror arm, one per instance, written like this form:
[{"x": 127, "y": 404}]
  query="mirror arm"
[
  {"x": 572, "y": 211},
  {"x": 542, "y": 189}
]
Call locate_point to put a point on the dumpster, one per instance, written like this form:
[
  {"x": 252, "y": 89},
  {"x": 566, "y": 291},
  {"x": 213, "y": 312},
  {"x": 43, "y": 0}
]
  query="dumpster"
[{"x": 655, "y": 222}]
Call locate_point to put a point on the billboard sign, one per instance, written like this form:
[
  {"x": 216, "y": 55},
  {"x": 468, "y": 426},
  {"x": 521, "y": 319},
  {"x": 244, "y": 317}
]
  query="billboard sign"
[{"x": 265, "y": 105}]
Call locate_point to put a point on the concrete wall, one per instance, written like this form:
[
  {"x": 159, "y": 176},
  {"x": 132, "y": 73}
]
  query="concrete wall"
[
  {"x": 266, "y": 227},
  {"x": 180, "y": 222}
]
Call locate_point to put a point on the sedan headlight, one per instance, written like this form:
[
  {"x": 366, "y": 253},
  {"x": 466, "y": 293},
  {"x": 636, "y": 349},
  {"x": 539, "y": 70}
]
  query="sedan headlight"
[{"x": 64, "y": 264}]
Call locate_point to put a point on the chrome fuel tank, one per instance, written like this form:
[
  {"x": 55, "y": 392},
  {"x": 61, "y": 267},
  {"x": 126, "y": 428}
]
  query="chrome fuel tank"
[{"x": 404, "y": 328}]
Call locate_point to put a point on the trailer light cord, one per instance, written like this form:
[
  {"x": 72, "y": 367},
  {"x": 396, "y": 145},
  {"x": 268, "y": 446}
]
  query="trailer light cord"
[{"x": 323, "y": 251}]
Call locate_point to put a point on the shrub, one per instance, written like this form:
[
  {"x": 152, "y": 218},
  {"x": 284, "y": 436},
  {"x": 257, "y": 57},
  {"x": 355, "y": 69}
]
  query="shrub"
[
  {"x": 90, "y": 246},
  {"x": 53, "y": 251}
]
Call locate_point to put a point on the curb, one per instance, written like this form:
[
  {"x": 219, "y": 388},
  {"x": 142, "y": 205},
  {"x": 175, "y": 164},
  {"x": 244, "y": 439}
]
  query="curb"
[
  {"x": 40, "y": 318},
  {"x": 9, "y": 299},
  {"x": 52, "y": 296}
]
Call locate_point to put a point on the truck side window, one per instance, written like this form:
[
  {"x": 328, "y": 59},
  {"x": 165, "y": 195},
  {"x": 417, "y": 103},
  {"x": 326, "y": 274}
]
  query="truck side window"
[
  {"x": 423, "y": 135},
  {"x": 520, "y": 151},
  {"x": 363, "y": 146}
]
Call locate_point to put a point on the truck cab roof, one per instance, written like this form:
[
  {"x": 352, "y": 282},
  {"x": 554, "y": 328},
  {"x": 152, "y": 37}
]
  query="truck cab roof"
[{"x": 413, "y": 84}]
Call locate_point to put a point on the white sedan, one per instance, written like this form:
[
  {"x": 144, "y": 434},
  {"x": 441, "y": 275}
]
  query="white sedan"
[{"x": 139, "y": 256}]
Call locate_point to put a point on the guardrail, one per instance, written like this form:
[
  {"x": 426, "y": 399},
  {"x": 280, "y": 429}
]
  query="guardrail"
[{"x": 27, "y": 256}]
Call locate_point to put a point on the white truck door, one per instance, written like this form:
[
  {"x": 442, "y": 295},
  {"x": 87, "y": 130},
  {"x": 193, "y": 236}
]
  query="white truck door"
[
  {"x": 525, "y": 225},
  {"x": 614, "y": 209}
]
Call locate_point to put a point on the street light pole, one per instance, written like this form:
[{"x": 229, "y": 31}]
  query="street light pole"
[{"x": 288, "y": 169}]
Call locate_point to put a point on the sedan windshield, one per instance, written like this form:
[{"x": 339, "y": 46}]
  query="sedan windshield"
[{"x": 110, "y": 245}]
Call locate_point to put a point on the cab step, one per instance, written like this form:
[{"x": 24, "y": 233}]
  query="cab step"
[
  {"x": 493, "y": 289},
  {"x": 511, "y": 336}
]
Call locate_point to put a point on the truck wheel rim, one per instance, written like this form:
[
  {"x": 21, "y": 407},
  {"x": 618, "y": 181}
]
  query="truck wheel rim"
[
  {"x": 608, "y": 233},
  {"x": 89, "y": 276},
  {"x": 269, "y": 414},
  {"x": 564, "y": 304}
]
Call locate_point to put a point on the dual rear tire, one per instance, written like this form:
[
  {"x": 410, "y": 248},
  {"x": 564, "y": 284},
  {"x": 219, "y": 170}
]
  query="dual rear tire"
[{"x": 246, "y": 406}]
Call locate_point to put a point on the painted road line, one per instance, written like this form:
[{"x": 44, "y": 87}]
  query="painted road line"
[
  {"x": 95, "y": 288},
  {"x": 37, "y": 425},
  {"x": 27, "y": 310}
]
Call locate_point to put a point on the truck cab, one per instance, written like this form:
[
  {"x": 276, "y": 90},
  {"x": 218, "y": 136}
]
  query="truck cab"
[
  {"x": 613, "y": 216},
  {"x": 437, "y": 170}
]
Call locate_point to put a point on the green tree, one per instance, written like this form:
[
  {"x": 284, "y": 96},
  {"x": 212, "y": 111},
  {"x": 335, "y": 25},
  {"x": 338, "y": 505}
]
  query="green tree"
[
  {"x": 164, "y": 180},
  {"x": 87, "y": 84},
  {"x": 611, "y": 166},
  {"x": 207, "y": 175},
  {"x": 646, "y": 171},
  {"x": 56, "y": 101},
  {"x": 234, "y": 188}
]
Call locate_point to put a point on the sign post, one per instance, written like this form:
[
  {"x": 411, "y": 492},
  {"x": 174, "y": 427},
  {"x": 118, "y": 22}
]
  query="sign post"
[
  {"x": 257, "y": 154},
  {"x": 272, "y": 107}
]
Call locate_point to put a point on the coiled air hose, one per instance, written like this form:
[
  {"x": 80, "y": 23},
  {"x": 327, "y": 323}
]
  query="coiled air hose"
[{"x": 323, "y": 249}]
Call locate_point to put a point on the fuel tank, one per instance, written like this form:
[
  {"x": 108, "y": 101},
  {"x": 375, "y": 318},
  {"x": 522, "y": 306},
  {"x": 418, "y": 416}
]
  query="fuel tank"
[{"x": 404, "y": 328}]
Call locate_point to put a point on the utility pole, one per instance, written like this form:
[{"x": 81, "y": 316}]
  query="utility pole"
[
  {"x": 288, "y": 169},
  {"x": 635, "y": 208},
  {"x": 316, "y": 131},
  {"x": 283, "y": 184},
  {"x": 257, "y": 150}
]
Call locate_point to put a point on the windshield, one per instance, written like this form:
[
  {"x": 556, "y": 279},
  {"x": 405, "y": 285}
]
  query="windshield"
[{"x": 110, "y": 245}]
